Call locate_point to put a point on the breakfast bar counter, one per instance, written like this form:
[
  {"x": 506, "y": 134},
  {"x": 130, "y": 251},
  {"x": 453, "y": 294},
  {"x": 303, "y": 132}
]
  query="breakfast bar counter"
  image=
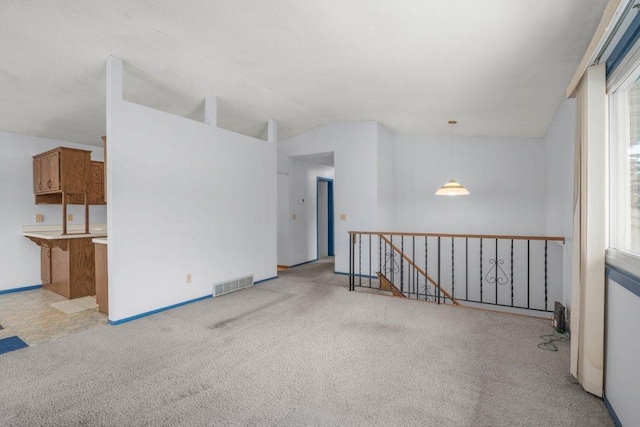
[{"x": 67, "y": 261}]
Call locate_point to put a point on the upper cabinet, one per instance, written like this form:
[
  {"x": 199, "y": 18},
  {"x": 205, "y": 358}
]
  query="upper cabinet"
[
  {"x": 97, "y": 187},
  {"x": 46, "y": 172},
  {"x": 65, "y": 170}
]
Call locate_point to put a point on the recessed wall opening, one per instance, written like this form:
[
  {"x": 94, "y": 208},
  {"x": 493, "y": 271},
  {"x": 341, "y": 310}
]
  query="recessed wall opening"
[{"x": 324, "y": 223}]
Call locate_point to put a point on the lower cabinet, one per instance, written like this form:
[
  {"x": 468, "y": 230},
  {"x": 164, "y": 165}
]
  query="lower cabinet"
[
  {"x": 67, "y": 266},
  {"x": 102, "y": 278},
  {"x": 45, "y": 265}
]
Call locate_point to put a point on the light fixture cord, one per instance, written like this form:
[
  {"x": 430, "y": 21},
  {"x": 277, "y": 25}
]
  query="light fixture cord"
[{"x": 452, "y": 174}]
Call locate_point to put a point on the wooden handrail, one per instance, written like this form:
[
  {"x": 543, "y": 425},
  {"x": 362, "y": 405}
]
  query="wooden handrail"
[
  {"x": 470, "y": 236},
  {"x": 420, "y": 270}
]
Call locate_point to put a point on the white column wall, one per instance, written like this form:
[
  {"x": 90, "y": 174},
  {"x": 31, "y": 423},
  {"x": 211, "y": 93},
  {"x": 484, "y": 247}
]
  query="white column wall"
[{"x": 184, "y": 198}]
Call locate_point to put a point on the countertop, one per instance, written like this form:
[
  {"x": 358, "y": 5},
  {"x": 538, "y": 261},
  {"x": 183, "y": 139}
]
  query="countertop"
[
  {"x": 53, "y": 232},
  {"x": 101, "y": 241}
]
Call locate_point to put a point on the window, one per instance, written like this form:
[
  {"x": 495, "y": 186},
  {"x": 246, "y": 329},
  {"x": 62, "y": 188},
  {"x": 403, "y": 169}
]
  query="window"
[{"x": 625, "y": 165}]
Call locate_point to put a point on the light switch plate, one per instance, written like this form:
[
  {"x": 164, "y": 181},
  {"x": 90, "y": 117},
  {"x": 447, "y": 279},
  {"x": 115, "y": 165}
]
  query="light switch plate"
[
  {"x": 343, "y": 217},
  {"x": 69, "y": 217},
  {"x": 39, "y": 218},
  {"x": 294, "y": 216}
]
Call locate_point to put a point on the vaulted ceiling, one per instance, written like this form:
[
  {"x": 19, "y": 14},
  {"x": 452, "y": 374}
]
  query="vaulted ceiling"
[{"x": 500, "y": 67}]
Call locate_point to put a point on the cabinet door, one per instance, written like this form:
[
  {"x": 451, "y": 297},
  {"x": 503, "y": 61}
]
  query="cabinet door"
[
  {"x": 37, "y": 175},
  {"x": 96, "y": 191},
  {"x": 45, "y": 180},
  {"x": 54, "y": 171},
  {"x": 45, "y": 265}
]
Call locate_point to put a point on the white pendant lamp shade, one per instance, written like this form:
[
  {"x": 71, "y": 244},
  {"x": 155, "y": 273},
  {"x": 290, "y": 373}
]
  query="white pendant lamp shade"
[{"x": 452, "y": 187}]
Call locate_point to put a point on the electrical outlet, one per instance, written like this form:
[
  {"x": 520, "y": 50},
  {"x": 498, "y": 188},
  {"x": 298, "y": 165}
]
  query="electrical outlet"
[
  {"x": 39, "y": 218},
  {"x": 189, "y": 278},
  {"x": 343, "y": 217},
  {"x": 294, "y": 216},
  {"x": 69, "y": 217}
]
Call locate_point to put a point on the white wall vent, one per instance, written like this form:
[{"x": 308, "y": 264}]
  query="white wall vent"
[{"x": 232, "y": 285}]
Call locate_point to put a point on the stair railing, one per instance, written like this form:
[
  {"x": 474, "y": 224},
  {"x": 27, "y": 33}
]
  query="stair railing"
[{"x": 510, "y": 271}]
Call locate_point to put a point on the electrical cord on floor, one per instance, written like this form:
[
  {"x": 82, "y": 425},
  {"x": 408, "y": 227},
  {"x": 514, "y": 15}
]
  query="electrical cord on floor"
[{"x": 549, "y": 340}]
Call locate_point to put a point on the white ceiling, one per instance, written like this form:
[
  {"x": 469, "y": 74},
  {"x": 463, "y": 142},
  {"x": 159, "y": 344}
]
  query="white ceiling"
[{"x": 500, "y": 67}]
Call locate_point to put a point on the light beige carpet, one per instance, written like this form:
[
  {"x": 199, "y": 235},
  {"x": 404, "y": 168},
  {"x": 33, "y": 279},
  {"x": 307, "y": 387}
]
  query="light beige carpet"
[{"x": 300, "y": 350}]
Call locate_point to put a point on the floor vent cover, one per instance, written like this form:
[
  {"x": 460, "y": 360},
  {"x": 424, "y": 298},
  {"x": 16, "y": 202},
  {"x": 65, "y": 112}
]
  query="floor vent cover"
[{"x": 232, "y": 285}]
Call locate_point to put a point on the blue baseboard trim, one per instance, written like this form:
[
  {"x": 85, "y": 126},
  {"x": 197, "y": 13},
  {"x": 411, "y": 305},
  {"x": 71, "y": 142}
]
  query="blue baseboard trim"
[
  {"x": 265, "y": 280},
  {"x": 149, "y": 313},
  {"x": 613, "y": 414},
  {"x": 624, "y": 279},
  {"x": 25, "y": 288},
  {"x": 356, "y": 275}
]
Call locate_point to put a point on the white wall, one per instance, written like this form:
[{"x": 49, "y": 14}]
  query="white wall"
[
  {"x": 301, "y": 233},
  {"x": 623, "y": 346},
  {"x": 504, "y": 176},
  {"x": 559, "y": 162},
  {"x": 284, "y": 217},
  {"x": 354, "y": 145},
  {"x": 386, "y": 179},
  {"x": 19, "y": 257},
  {"x": 185, "y": 198}
]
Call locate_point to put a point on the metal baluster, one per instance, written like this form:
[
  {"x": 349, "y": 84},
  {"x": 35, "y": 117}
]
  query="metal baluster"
[
  {"x": 359, "y": 259},
  {"x": 392, "y": 258},
  {"x": 528, "y": 271},
  {"x": 511, "y": 272},
  {"x": 414, "y": 271},
  {"x": 380, "y": 254},
  {"x": 426, "y": 268},
  {"x": 496, "y": 265},
  {"x": 385, "y": 258},
  {"x": 401, "y": 264},
  {"x": 481, "y": 269},
  {"x": 453, "y": 270},
  {"x": 466, "y": 268},
  {"x": 351, "y": 266},
  {"x": 369, "y": 260},
  {"x": 546, "y": 288},
  {"x": 438, "y": 269}
]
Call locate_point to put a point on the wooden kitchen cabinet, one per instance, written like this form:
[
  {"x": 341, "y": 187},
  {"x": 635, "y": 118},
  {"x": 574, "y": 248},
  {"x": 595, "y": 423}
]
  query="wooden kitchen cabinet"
[
  {"x": 102, "y": 278},
  {"x": 45, "y": 265},
  {"x": 96, "y": 187},
  {"x": 70, "y": 171},
  {"x": 60, "y": 170},
  {"x": 67, "y": 266}
]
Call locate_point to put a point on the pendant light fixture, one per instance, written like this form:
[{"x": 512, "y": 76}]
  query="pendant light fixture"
[{"x": 452, "y": 188}]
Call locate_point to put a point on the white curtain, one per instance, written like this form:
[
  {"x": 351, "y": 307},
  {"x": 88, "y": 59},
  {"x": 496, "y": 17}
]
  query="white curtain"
[{"x": 589, "y": 233}]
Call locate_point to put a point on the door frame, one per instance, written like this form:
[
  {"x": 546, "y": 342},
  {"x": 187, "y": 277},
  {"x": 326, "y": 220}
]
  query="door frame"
[{"x": 330, "y": 231}]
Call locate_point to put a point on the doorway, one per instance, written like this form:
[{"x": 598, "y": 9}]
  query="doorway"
[{"x": 324, "y": 215}]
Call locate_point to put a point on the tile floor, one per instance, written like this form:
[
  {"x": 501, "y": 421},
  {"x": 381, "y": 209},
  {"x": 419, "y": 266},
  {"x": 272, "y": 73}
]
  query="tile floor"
[{"x": 28, "y": 315}]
